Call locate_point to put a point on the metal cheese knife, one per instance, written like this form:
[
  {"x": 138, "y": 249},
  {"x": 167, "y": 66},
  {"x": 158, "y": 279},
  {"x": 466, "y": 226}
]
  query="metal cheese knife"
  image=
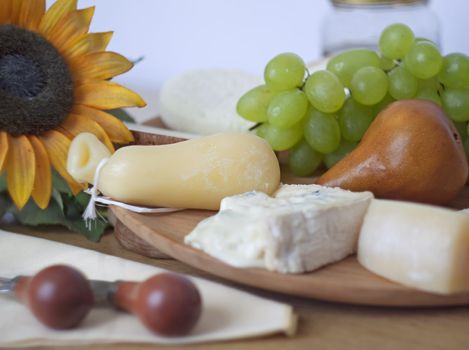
[
  {"x": 61, "y": 297},
  {"x": 102, "y": 290},
  {"x": 7, "y": 285}
]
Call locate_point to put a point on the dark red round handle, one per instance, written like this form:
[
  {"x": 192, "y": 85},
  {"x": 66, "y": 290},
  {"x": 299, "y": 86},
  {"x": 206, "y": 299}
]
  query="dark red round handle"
[
  {"x": 59, "y": 296},
  {"x": 167, "y": 304}
]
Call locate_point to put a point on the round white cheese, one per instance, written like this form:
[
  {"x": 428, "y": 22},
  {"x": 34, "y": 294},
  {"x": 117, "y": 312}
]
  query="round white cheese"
[{"x": 204, "y": 101}]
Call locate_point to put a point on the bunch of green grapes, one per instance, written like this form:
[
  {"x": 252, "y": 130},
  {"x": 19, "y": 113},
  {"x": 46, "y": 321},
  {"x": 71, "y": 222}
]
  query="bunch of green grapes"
[{"x": 321, "y": 117}]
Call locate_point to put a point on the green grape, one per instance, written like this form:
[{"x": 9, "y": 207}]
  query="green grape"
[
  {"x": 285, "y": 72},
  {"x": 369, "y": 85},
  {"x": 322, "y": 131},
  {"x": 325, "y": 91},
  {"x": 396, "y": 40},
  {"x": 432, "y": 83},
  {"x": 419, "y": 40},
  {"x": 303, "y": 160},
  {"x": 423, "y": 60},
  {"x": 345, "y": 64},
  {"x": 456, "y": 104},
  {"x": 429, "y": 94},
  {"x": 402, "y": 84},
  {"x": 386, "y": 64},
  {"x": 429, "y": 89},
  {"x": 455, "y": 71},
  {"x": 282, "y": 139},
  {"x": 354, "y": 120},
  {"x": 386, "y": 101},
  {"x": 261, "y": 130},
  {"x": 287, "y": 108},
  {"x": 345, "y": 148},
  {"x": 253, "y": 104}
]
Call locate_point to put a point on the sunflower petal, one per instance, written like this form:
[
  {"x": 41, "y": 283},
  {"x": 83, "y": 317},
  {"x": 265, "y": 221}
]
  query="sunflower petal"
[
  {"x": 103, "y": 94},
  {"x": 54, "y": 14},
  {"x": 87, "y": 43},
  {"x": 31, "y": 13},
  {"x": 101, "y": 65},
  {"x": 71, "y": 27},
  {"x": 15, "y": 9},
  {"x": 116, "y": 129},
  {"x": 42, "y": 189},
  {"x": 5, "y": 12},
  {"x": 76, "y": 124},
  {"x": 21, "y": 170},
  {"x": 3, "y": 148},
  {"x": 57, "y": 146}
]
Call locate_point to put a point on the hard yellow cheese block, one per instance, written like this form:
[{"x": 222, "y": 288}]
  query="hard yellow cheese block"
[
  {"x": 196, "y": 173},
  {"x": 420, "y": 246}
]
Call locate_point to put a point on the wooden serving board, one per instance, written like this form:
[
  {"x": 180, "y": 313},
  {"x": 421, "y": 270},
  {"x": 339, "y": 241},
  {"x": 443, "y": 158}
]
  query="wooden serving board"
[
  {"x": 162, "y": 236},
  {"x": 346, "y": 281}
]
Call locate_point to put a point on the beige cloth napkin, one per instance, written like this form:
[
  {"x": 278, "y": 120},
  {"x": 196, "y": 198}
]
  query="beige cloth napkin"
[{"x": 227, "y": 313}]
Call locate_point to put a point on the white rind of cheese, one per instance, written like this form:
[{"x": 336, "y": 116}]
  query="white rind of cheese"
[
  {"x": 204, "y": 101},
  {"x": 417, "y": 245},
  {"x": 300, "y": 229}
]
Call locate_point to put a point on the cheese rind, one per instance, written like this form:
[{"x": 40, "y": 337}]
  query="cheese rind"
[
  {"x": 300, "y": 229},
  {"x": 420, "y": 246},
  {"x": 85, "y": 153}
]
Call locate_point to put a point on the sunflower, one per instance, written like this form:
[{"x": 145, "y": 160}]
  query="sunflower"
[{"x": 54, "y": 84}]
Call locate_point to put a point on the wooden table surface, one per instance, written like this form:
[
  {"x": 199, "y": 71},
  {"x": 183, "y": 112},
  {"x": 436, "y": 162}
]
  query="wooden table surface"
[{"x": 322, "y": 325}]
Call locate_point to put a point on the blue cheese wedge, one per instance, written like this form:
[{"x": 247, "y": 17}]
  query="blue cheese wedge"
[{"x": 299, "y": 229}]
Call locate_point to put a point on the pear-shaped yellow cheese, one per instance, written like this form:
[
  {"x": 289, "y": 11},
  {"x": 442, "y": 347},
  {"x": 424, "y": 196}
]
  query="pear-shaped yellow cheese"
[{"x": 196, "y": 173}]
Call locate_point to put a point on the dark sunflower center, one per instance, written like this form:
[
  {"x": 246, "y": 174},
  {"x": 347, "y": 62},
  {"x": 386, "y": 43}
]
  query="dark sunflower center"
[
  {"x": 36, "y": 87},
  {"x": 20, "y": 76}
]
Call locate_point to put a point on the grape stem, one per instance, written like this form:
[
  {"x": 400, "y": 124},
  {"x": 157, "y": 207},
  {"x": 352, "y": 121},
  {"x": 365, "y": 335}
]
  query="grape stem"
[
  {"x": 255, "y": 126},
  {"x": 308, "y": 74},
  {"x": 443, "y": 88}
]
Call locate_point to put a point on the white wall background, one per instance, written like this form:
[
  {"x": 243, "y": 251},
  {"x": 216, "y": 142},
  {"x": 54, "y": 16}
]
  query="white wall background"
[{"x": 177, "y": 35}]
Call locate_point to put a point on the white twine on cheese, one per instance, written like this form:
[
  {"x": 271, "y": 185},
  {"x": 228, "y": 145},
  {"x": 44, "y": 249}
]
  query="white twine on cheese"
[{"x": 91, "y": 214}]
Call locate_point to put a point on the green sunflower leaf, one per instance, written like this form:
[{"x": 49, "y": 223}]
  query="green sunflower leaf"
[
  {"x": 69, "y": 217},
  {"x": 5, "y": 204},
  {"x": 64, "y": 209},
  {"x": 32, "y": 215},
  {"x": 82, "y": 199},
  {"x": 58, "y": 198},
  {"x": 3, "y": 183},
  {"x": 137, "y": 60},
  {"x": 74, "y": 208},
  {"x": 59, "y": 184},
  {"x": 93, "y": 232},
  {"x": 122, "y": 115}
]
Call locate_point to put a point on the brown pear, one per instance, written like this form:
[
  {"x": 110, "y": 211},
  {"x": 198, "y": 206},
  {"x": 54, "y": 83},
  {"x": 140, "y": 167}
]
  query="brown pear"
[{"x": 411, "y": 151}]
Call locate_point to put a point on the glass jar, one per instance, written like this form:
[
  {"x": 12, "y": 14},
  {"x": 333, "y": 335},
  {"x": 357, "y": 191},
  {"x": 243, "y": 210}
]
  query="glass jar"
[{"x": 358, "y": 23}]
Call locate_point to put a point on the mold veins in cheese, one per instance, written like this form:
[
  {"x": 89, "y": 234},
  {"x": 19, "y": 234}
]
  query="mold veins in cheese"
[
  {"x": 420, "y": 246},
  {"x": 301, "y": 228}
]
